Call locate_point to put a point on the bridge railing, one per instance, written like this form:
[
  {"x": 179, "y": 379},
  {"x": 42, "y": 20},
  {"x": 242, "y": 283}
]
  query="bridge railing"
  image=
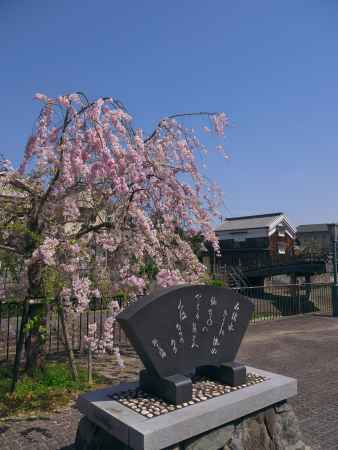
[
  {"x": 279, "y": 260},
  {"x": 267, "y": 261}
]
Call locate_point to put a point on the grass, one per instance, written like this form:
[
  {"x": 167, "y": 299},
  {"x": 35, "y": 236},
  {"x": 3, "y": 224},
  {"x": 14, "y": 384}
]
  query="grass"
[
  {"x": 48, "y": 391},
  {"x": 263, "y": 316}
]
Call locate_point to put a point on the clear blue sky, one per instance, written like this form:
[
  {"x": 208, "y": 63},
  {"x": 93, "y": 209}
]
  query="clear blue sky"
[{"x": 272, "y": 66}]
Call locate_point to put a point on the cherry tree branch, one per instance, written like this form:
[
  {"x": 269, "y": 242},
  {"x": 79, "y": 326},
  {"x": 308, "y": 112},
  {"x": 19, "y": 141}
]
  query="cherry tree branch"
[
  {"x": 58, "y": 170},
  {"x": 10, "y": 249},
  {"x": 174, "y": 116}
]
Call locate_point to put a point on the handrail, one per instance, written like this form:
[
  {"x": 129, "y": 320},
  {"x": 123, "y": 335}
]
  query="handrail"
[{"x": 281, "y": 261}]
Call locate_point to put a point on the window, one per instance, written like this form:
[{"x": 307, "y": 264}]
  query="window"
[
  {"x": 281, "y": 230},
  {"x": 239, "y": 236},
  {"x": 281, "y": 248}
]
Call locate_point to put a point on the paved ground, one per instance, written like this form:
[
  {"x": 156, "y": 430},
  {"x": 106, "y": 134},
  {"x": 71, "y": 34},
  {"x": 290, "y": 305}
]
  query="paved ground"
[{"x": 303, "y": 347}]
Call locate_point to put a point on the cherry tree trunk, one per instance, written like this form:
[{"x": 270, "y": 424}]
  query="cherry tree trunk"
[
  {"x": 19, "y": 346},
  {"x": 35, "y": 343},
  {"x": 37, "y": 323}
]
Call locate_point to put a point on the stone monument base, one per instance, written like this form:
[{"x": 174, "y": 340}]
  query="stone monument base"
[
  {"x": 273, "y": 428},
  {"x": 255, "y": 416}
]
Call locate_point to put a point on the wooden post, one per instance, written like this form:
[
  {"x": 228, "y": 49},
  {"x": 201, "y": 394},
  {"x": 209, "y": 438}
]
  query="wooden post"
[
  {"x": 90, "y": 366},
  {"x": 68, "y": 346}
]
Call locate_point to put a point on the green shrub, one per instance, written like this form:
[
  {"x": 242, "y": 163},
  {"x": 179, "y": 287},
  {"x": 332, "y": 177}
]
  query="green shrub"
[
  {"x": 48, "y": 390},
  {"x": 215, "y": 282}
]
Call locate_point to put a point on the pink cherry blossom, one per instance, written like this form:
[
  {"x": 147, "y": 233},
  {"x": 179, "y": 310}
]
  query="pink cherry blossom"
[
  {"x": 41, "y": 97},
  {"x": 166, "y": 278},
  {"x": 46, "y": 251},
  {"x": 220, "y": 122},
  {"x": 110, "y": 206}
]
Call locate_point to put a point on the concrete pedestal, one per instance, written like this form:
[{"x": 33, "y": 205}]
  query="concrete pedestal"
[{"x": 229, "y": 421}]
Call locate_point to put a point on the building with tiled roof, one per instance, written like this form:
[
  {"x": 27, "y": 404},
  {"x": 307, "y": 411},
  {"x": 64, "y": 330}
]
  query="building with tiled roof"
[{"x": 247, "y": 240}]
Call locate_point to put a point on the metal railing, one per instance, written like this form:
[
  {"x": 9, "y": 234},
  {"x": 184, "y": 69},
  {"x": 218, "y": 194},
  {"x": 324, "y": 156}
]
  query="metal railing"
[
  {"x": 237, "y": 277},
  {"x": 78, "y": 327},
  {"x": 271, "y": 302},
  {"x": 266, "y": 260},
  {"x": 274, "y": 302}
]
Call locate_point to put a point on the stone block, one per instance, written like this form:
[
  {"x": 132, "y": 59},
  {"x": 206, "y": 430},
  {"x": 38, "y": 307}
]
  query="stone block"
[
  {"x": 213, "y": 440},
  {"x": 248, "y": 433},
  {"x": 282, "y": 407},
  {"x": 211, "y": 416},
  {"x": 92, "y": 437}
]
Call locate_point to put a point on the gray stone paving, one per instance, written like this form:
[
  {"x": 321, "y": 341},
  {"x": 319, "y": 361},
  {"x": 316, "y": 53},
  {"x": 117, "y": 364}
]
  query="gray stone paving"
[
  {"x": 302, "y": 347},
  {"x": 305, "y": 348}
]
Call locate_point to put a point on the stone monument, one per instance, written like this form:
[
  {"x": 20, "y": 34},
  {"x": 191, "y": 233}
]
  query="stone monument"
[
  {"x": 187, "y": 330},
  {"x": 187, "y": 338}
]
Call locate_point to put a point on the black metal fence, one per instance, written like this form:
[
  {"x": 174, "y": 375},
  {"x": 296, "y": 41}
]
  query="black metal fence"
[
  {"x": 274, "y": 302},
  {"x": 78, "y": 327},
  {"x": 270, "y": 303}
]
